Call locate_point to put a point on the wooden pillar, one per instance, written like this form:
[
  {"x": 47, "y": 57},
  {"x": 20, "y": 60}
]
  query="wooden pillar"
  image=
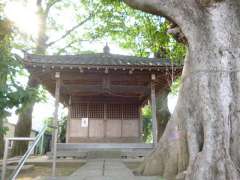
[
  {"x": 121, "y": 120},
  {"x": 68, "y": 119},
  {"x": 140, "y": 123},
  {"x": 42, "y": 145},
  {"x": 105, "y": 121},
  {"x": 55, "y": 122},
  {"x": 154, "y": 109},
  {"x": 88, "y": 131}
]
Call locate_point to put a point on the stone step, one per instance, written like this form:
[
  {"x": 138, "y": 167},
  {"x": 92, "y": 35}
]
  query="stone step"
[
  {"x": 104, "y": 155},
  {"x": 103, "y": 146}
]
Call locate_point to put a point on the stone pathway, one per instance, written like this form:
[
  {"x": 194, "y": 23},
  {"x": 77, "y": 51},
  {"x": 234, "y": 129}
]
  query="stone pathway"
[
  {"x": 113, "y": 168},
  {"x": 97, "y": 169}
]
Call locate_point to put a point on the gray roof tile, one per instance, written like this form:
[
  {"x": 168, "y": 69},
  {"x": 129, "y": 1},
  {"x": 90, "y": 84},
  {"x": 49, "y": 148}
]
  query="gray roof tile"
[{"x": 100, "y": 59}]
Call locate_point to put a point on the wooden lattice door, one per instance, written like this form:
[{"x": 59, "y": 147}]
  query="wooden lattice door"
[
  {"x": 106, "y": 122},
  {"x": 96, "y": 120},
  {"x": 122, "y": 120},
  {"x": 114, "y": 120}
]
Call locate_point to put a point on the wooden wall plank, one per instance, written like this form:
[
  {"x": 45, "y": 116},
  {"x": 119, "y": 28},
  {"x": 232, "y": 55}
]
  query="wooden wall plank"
[
  {"x": 96, "y": 128},
  {"x": 76, "y": 130},
  {"x": 130, "y": 128},
  {"x": 114, "y": 128}
]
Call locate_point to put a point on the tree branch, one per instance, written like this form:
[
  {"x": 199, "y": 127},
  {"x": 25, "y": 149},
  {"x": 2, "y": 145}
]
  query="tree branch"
[
  {"x": 50, "y": 4},
  {"x": 184, "y": 13},
  {"x": 64, "y": 48},
  {"x": 149, "y": 6},
  {"x": 68, "y": 46},
  {"x": 175, "y": 11},
  {"x": 69, "y": 31}
]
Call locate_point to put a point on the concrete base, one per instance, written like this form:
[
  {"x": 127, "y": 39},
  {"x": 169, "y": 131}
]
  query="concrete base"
[{"x": 87, "y": 150}]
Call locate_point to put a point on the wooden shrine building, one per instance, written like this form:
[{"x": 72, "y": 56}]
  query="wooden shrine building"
[{"x": 104, "y": 92}]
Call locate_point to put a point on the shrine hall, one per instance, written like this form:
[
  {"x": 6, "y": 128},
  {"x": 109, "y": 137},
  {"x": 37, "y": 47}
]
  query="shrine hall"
[{"x": 104, "y": 93}]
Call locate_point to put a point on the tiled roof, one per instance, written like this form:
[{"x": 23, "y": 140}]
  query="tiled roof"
[{"x": 100, "y": 59}]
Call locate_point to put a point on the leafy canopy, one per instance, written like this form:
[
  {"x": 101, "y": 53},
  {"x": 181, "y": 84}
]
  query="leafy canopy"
[
  {"x": 143, "y": 33},
  {"x": 12, "y": 93}
]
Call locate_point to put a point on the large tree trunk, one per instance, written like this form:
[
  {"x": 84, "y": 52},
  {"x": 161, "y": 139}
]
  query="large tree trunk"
[
  {"x": 163, "y": 114},
  {"x": 1, "y": 139},
  {"x": 24, "y": 125},
  {"x": 202, "y": 138}
]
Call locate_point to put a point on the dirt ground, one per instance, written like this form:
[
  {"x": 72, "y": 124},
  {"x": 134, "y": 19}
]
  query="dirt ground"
[
  {"x": 134, "y": 165},
  {"x": 46, "y": 170}
]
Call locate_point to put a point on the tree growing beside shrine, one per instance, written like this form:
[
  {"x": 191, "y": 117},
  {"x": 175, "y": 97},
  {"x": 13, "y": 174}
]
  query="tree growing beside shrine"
[
  {"x": 40, "y": 45},
  {"x": 202, "y": 138},
  {"x": 12, "y": 93}
]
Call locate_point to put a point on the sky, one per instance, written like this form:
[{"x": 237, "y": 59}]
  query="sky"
[{"x": 25, "y": 19}]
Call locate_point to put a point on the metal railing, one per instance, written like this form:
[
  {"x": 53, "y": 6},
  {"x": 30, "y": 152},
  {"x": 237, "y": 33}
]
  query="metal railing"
[{"x": 22, "y": 161}]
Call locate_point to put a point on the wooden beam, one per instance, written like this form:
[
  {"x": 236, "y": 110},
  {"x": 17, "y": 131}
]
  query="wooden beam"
[
  {"x": 105, "y": 99},
  {"x": 117, "y": 79},
  {"x": 114, "y": 76},
  {"x": 55, "y": 122},
  {"x": 104, "y": 89},
  {"x": 154, "y": 111}
]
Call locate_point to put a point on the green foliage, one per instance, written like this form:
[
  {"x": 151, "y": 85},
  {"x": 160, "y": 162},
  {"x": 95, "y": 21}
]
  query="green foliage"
[
  {"x": 48, "y": 122},
  {"x": 143, "y": 33},
  {"x": 8, "y": 96},
  {"x": 28, "y": 96},
  {"x": 62, "y": 127},
  {"x": 176, "y": 86},
  {"x": 147, "y": 124},
  {"x": 12, "y": 93}
]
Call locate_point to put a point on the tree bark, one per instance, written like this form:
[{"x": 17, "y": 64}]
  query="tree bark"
[
  {"x": 163, "y": 114},
  {"x": 1, "y": 139},
  {"x": 3, "y": 82},
  {"x": 24, "y": 125},
  {"x": 202, "y": 138}
]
